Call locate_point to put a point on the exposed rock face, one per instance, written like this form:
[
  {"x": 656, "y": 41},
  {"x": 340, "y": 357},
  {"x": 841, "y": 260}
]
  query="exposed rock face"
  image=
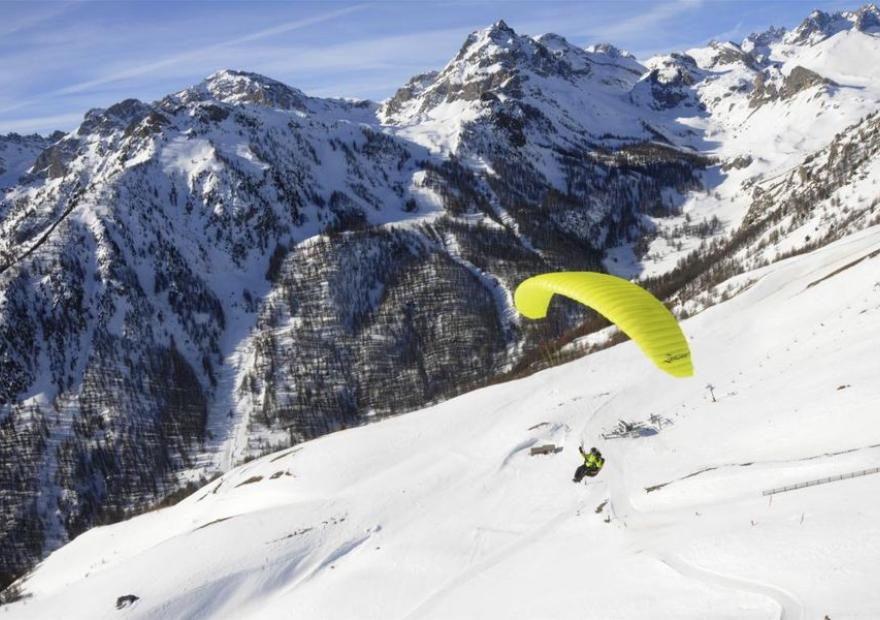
[
  {"x": 767, "y": 88},
  {"x": 813, "y": 191},
  {"x": 737, "y": 163},
  {"x": 52, "y": 162},
  {"x": 18, "y": 153},
  {"x": 800, "y": 79},
  {"x": 730, "y": 53},
  {"x": 409, "y": 91},
  {"x": 669, "y": 83},
  {"x": 866, "y": 18}
]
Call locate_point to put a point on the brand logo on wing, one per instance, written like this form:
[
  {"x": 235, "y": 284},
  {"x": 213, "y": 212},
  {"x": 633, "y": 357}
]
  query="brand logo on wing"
[{"x": 675, "y": 357}]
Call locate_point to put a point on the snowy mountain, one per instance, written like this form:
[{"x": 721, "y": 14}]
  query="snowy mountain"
[
  {"x": 542, "y": 92},
  {"x": 240, "y": 267},
  {"x": 771, "y": 107},
  {"x": 443, "y": 513}
]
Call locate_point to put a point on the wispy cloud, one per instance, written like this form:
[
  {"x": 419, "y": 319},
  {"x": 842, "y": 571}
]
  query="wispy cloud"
[
  {"x": 731, "y": 34},
  {"x": 139, "y": 70},
  {"x": 413, "y": 52},
  {"x": 15, "y": 26},
  {"x": 648, "y": 21}
]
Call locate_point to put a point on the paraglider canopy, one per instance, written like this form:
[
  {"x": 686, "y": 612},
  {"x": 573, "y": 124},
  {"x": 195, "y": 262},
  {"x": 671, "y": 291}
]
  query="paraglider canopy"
[{"x": 637, "y": 313}]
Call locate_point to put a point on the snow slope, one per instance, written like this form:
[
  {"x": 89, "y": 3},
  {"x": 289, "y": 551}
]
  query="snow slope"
[{"x": 442, "y": 513}]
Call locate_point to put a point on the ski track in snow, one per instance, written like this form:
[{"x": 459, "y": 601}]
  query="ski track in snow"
[
  {"x": 790, "y": 607},
  {"x": 517, "y": 546}
]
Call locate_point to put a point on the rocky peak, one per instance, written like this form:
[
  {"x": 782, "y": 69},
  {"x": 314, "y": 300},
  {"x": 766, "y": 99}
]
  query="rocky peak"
[
  {"x": 866, "y": 18},
  {"x": 573, "y": 61},
  {"x": 491, "y": 62},
  {"x": 497, "y": 62},
  {"x": 583, "y": 61},
  {"x": 758, "y": 43},
  {"x": 118, "y": 116},
  {"x": 237, "y": 87},
  {"x": 500, "y": 31},
  {"x": 820, "y": 25},
  {"x": 668, "y": 82},
  {"x": 498, "y": 43},
  {"x": 608, "y": 50},
  {"x": 675, "y": 69},
  {"x": 817, "y": 26},
  {"x": 609, "y": 55},
  {"x": 554, "y": 43},
  {"x": 728, "y": 53}
]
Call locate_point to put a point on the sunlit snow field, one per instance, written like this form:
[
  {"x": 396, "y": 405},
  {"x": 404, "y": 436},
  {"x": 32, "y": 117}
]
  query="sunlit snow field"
[{"x": 444, "y": 514}]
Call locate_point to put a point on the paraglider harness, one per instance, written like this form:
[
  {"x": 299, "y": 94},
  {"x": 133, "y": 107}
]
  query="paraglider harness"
[{"x": 593, "y": 462}]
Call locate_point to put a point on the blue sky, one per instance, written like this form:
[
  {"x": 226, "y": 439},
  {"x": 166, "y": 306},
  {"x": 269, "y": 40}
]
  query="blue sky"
[{"x": 58, "y": 59}]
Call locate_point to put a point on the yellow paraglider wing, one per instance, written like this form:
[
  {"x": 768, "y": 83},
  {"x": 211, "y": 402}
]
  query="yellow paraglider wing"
[{"x": 637, "y": 313}]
